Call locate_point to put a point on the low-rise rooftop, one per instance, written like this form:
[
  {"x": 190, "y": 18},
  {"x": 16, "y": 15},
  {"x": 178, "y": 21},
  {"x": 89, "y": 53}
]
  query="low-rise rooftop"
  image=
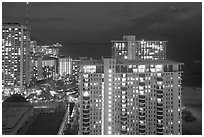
[{"x": 129, "y": 62}]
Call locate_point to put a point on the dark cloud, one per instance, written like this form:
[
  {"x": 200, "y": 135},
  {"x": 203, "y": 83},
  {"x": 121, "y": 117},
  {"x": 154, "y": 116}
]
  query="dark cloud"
[
  {"x": 161, "y": 19},
  {"x": 177, "y": 25},
  {"x": 197, "y": 62},
  {"x": 50, "y": 19},
  {"x": 125, "y": 11}
]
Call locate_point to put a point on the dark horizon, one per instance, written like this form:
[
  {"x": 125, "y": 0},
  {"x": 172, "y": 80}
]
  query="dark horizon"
[{"x": 86, "y": 29}]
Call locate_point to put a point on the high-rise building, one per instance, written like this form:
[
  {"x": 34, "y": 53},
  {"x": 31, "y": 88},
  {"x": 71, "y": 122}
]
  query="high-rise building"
[
  {"x": 33, "y": 45},
  {"x": 36, "y": 69},
  {"x": 75, "y": 68},
  {"x": 15, "y": 55},
  {"x": 131, "y": 49},
  {"x": 130, "y": 97},
  {"x": 44, "y": 60},
  {"x": 49, "y": 50},
  {"x": 65, "y": 66},
  {"x": 49, "y": 67}
]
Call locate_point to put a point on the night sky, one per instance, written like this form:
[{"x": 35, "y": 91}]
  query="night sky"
[{"x": 86, "y": 29}]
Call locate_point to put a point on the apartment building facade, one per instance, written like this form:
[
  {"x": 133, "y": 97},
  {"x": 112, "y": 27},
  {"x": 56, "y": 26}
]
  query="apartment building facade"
[{"x": 130, "y": 97}]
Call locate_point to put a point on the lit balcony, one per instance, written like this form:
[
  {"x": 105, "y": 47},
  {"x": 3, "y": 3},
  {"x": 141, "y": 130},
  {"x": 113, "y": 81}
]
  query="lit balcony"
[
  {"x": 123, "y": 114},
  {"x": 124, "y": 101}
]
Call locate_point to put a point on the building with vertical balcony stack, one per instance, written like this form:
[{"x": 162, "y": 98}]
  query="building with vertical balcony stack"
[
  {"x": 130, "y": 97},
  {"x": 132, "y": 49},
  {"x": 75, "y": 68},
  {"x": 65, "y": 66},
  {"x": 15, "y": 56}
]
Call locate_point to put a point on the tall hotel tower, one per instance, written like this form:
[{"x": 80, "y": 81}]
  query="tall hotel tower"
[
  {"x": 132, "y": 49},
  {"x": 15, "y": 55},
  {"x": 130, "y": 97},
  {"x": 65, "y": 66}
]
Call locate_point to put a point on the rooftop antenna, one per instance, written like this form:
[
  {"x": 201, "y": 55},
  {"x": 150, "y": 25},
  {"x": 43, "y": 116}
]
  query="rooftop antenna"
[{"x": 27, "y": 13}]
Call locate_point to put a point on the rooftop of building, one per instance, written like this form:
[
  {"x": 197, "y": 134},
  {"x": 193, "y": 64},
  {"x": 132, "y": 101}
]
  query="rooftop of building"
[
  {"x": 48, "y": 58},
  {"x": 12, "y": 115},
  {"x": 46, "y": 123},
  {"x": 133, "y": 38},
  {"x": 14, "y": 25},
  {"x": 139, "y": 40},
  {"x": 129, "y": 62},
  {"x": 15, "y": 98},
  {"x": 10, "y": 23}
]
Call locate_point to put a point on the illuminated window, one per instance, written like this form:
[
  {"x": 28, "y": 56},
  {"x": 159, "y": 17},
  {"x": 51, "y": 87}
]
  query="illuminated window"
[
  {"x": 159, "y": 100},
  {"x": 159, "y": 68},
  {"x": 141, "y": 92},
  {"x": 141, "y": 68}
]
